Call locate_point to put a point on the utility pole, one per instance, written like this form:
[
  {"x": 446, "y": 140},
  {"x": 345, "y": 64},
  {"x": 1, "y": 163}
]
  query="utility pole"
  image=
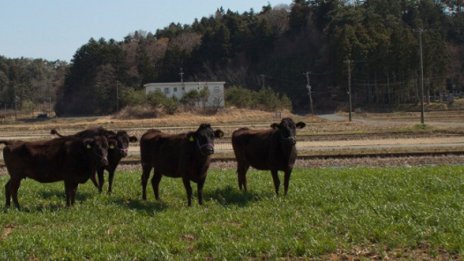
[
  {"x": 263, "y": 81},
  {"x": 308, "y": 86},
  {"x": 117, "y": 95},
  {"x": 49, "y": 105},
  {"x": 15, "y": 100},
  {"x": 420, "y": 31},
  {"x": 181, "y": 75},
  {"x": 348, "y": 63},
  {"x": 182, "y": 79}
]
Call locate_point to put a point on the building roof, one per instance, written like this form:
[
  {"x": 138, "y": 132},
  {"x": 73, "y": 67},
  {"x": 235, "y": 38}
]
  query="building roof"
[{"x": 177, "y": 84}]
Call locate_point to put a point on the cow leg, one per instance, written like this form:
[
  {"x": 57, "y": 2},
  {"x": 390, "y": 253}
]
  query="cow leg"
[
  {"x": 275, "y": 178},
  {"x": 200, "y": 191},
  {"x": 101, "y": 179},
  {"x": 73, "y": 193},
  {"x": 155, "y": 181},
  {"x": 188, "y": 188},
  {"x": 94, "y": 179},
  {"x": 145, "y": 176},
  {"x": 8, "y": 194},
  {"x": 287, "y": 180},
  {"x": 14, "y": 186},
  {"x": 69, "y": 191},
  {"x": 110, "y": 180},
  {"x": 241, "y": 173}
]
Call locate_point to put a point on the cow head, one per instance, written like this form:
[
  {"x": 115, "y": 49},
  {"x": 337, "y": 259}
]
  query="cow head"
[
  {"x": 287, "y": 130},
  {"x": 119, "y": 143},
  {"x": 203, "y": 138},
  {"x": 97, "y": 150}
]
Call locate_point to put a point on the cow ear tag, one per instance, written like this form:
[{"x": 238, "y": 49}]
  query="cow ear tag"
[
  {"x": 191, "y": 139},
  {"x": 88, "y": 146}
]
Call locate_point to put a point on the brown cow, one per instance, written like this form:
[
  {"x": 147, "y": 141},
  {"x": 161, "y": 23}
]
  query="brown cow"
[
  {"x": 272, "y": 149},
  {"x": 118, "y": 146},
  {"x": 73, "y": 160},
  {"x": 185, "y": 155}
]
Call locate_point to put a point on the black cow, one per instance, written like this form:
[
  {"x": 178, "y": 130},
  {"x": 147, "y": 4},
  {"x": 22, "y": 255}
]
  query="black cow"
[
  {"x": 118, "y": 147},
  {"x": 185, "y": 156},
  {"x": 72, "y": 159},
  {"x": 272, "y": 149}
]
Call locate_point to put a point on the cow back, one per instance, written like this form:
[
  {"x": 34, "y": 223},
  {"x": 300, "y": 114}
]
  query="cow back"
[
  {"x": 171, "y": 154},
  {"x": 261, "y": 149}
]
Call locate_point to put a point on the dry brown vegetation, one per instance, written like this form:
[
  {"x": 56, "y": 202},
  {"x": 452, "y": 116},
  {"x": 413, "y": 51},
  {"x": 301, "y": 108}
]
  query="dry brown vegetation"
[
  {"x": 368, "y": 133},
  {"x": 362, "y": 122}
]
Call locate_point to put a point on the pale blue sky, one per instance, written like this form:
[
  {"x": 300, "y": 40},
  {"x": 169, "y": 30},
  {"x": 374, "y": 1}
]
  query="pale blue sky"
[{"x": 55, "y": 29}]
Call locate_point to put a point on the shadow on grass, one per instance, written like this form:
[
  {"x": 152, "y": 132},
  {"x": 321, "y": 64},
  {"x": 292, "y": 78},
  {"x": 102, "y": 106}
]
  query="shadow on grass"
[
  {"x": 44, "y": 207},
  {"x": 231, "y": 196},
  {"x": 147, "y": 207},
  {"x": 80, "y": 196},
  {"x": 39, "y": 206}
]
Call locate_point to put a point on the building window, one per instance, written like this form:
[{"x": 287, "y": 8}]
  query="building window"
[
  {"x": 166, "y": 91},
  {"x": 216, "y": 89},
  {"x": 175, "y": 89}
]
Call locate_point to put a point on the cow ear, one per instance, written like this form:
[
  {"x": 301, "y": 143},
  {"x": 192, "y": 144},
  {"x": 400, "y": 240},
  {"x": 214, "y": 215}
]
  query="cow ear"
[
  {"x": 274, "y": 125},
  {"x": 300, "y": 125},
  {"x": 133, "y": 139},
  {"x": 191, "y": 137},
  {"x": 218, "y": 133}
]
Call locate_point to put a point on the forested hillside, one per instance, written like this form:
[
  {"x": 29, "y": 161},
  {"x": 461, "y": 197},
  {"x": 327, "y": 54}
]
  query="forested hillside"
[
  {"x": 273, "y": 47},
  {"x": 30, "y": 84}
]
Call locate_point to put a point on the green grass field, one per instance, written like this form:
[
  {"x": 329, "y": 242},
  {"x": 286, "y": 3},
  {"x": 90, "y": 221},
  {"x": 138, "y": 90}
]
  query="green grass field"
[{"x": 327, "y": 211}]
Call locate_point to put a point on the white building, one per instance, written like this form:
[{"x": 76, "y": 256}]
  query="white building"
[{"x": 178, "y": 89}]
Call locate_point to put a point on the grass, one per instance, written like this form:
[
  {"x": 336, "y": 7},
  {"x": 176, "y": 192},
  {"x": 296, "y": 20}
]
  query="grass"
[{"x": 327, "y": 211}]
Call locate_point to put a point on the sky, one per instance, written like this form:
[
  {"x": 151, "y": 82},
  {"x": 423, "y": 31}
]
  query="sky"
[{"x": 55, "y": 29}]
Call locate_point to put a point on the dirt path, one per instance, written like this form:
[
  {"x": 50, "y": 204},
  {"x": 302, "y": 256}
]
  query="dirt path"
[{"x": 333, "y": 117}]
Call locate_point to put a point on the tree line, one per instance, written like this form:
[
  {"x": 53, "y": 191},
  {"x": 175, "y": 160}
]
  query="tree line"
[
  {"x": 275, "y": 47},
  {"x": 26, "y": 84}
]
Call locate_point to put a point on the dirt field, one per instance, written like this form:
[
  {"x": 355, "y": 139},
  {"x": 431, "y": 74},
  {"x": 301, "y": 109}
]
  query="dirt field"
[{"x": 329, "y": 134}]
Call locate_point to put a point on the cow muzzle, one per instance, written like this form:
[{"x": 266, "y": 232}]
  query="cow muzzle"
[
  {"x": 104, "y": 161},
  {"x": 206, "y": 149},
  {"x": 209, "y": 151},
  {"x": 289, "y": 140},
  {"x": 123, "y": 152}
]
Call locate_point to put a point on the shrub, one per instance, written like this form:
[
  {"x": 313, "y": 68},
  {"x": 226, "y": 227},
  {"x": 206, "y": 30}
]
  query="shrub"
[
  {"x": 170, "y": 105},
  {"x": 264, "y": 99},
  {"x": 132, "y": 97},
  {"x": 239, "y": 97},
  {"x": 155, "y": 100},
  {"x": 191, "y": 98}
]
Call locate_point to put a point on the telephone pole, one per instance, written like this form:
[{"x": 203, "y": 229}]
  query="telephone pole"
[
  {"x": 15, "y": 100},
  {"x": 308, "y": 86},
  {"x": 420, "y": 31},
  {"x": 348, "y": 63},
  {"x": 117, "y": 95},
  {"x": 182, "y": 79},
  {"x": 181, "y": 75}
]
